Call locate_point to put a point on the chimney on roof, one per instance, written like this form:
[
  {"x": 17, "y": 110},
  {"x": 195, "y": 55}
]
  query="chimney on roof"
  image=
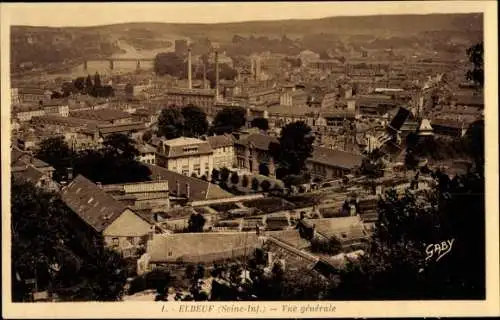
[
  {"x": 190, "y": 83},
  {"x": 99, "y": 184},
  {"x": 188, "y": 191}
]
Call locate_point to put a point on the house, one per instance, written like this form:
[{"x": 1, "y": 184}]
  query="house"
[
  {"x": 253, "y": 153},
  {"x": 134, "y": 129},
  {"x": 20, "y": 160},
  {"x": 35, "y": 176},
  {"x": 25, "y": 112},
  {"x": 187, "y": 188},
  {"x": 203, "y": 98},
  {"x": 445, "y": 127},
  {"x": 223, "y": 148},
  {"x": 108, "y": 116},
  {"x": 293, "y": 98},
  {"x": 205, "y": 248},
  {"x": 122, "y": 229},
  {"x": 187, "y": 156},
  {"x": 58, "y": 107},
  {"x": 349, "y": 231},
  {"x": 28, "y": 95},
  {"x": 147, "y": 154},
  {"x": 330, "y": 164},
  {"x": 153, "y": 195}
]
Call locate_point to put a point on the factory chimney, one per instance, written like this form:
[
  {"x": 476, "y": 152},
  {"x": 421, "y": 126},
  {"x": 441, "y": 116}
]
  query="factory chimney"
[
  {"x": 190, "y": 83},
  {"x": 216, "y": 74},
  {"x": 204, "y": 73}
]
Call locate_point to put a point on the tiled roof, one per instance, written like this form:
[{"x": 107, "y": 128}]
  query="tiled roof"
[
  {"x": 344, "y": 228},
  {"x": 100, "y": 114},
  {"x": 137, "y": 126},
  {"x": 469, "y": 100},
  {"x": 97, "y": 208},
  {"x": 175, "y": 147},
  {"x": 295, "y": 110},
  {"x": 220, "y": 141},
  {"x": 198, "y": 188},
  {"x": 291, "y": 237},
  {"x": 201, "y": 247},
  {"x": 335, "y": 158},
  {"x": 257, "y": 140},
  {"x": 21, "y": 158},
  {"x": 447, "y": 123},
  {"x": 30, "y": 174}
]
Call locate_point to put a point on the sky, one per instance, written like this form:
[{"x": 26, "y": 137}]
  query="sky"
[{"x": 88, "y": 14}]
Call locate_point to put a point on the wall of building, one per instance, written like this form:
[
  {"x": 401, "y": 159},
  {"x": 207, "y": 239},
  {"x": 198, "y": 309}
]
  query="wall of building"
[
  {"x": 224, "y": 157},
  {"x": 198, "y": 164}
]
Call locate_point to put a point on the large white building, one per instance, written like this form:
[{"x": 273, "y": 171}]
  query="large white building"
[
  {"x": 223, "y": 147},
  {"x": 187, "y": 156}
]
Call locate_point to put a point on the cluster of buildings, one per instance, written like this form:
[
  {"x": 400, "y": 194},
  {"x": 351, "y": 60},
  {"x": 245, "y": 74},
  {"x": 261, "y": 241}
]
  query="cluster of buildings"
[{"x": 353, "y": 107}]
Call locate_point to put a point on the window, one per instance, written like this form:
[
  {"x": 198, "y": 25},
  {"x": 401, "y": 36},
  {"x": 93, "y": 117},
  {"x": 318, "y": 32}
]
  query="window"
[
  {"x": 115, "y": 242},
  {"x": 130, "y": 239}
]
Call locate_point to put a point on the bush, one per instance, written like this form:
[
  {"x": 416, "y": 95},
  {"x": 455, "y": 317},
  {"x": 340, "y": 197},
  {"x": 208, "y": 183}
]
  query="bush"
[
  {"x": 265, "y": 185},
  {"x": 235, "y": 178},
  {"x": 245, "y": 181},
  {"x": 268, "y": 205},
  {"x": 215, "y": 175},
  {"x": 223, "y": 207},
  {"x": 331, "y": 246},
  {"x": 157, "y": 279},
  {"x": 255, "y": 184}
]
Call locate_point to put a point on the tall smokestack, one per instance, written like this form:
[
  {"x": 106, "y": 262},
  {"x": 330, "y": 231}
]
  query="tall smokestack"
[
  {"x": 190, "y": 83},
  {"x": 204, "y": 73},
  {"x": 216, "y": 73}
]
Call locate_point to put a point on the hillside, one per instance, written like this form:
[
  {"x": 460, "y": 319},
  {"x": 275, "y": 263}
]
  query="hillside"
[{"x": 44, "y": 47}]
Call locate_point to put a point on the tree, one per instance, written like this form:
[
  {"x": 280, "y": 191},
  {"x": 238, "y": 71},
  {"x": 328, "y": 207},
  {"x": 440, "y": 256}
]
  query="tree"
[
  {"x": 147, "y": 136},
  {"x": 265, "y": 185},
  {"x": 409, "y": 225},
  {"x": 215, "y": 175},
  {"x": 229, "y": 119},
  {"x": 97, "y": 81},
  {"x": 51, "y": 245},
  {"x": 79, "y": 84},
  {"x": 263, "y": 169},
  {"x": 57, "y": 153},
  {"x": 88, "y": 84},
  {"x": 295, "y": 146},
  {"x": 118, "y": 143},
  {"x": 474, "y": 140},
  {"x": 331, "y": 246},
  {"x": 168, "y": 63},
  {"x": 224, "y": 174},
  {"x": 235, "y": 178},
  {"x": 115, "y": 163},
  {"x": 260, "y": 123},
  {"x": 196, "y": 222},
  {"x": 476, "y": 74},
  {"x": 195, "y": 121},
  {"x": 171, "y": 123},
  {"x": 245, "y": 181},
  {"x": 255, "y": 184}
]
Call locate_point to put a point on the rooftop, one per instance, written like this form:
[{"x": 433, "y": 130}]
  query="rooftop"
[
  {"x": 97, "y": 208},
  {"x": 335, "y": 158}
]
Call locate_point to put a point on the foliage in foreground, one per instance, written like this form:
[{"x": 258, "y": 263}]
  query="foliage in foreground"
[{"x": 51, "y": 245}]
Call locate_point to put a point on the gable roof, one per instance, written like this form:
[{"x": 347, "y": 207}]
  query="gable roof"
[
  {"x": 30, "y": 174},
  {"x": 257, "y": 140},
  {"x": 343, "y": 228},
  {"x": 199, "y": 189},
  {"x": 335, "y": 158},
  {"x": 97, "y": 208},
  {"x": 220, "y": 141}
]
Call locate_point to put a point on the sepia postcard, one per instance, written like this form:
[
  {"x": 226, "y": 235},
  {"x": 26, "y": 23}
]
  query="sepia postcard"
[{"x": 249, "y": 160}]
